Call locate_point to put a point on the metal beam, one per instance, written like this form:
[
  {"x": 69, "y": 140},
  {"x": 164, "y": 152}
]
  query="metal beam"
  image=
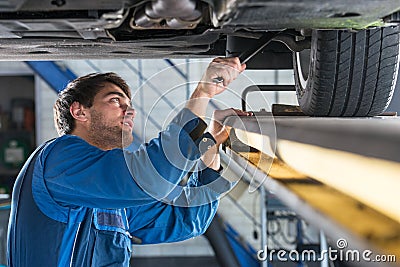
[{"x": 55, "y": 76}]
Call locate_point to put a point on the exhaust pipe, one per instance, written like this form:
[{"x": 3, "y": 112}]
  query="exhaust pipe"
[{"x": 174, "y": 14}]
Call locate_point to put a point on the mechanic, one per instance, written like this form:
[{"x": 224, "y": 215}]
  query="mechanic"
[{"x": 82, "y": 198}]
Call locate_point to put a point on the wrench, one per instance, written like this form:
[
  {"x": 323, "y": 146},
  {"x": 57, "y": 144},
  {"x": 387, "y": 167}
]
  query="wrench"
[{"x": 248, "y": 54}]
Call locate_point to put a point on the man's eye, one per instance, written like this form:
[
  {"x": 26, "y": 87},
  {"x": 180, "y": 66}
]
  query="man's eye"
[{"x": 115, "y": 100}]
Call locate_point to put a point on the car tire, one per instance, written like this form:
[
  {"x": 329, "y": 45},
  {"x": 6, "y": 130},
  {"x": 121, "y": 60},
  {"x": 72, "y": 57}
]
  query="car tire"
[{"x": 347, "y": 73}]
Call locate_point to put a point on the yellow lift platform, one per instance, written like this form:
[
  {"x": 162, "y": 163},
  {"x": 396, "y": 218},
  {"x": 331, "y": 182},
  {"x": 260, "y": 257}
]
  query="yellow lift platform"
[{"x": 340, "y": 174}]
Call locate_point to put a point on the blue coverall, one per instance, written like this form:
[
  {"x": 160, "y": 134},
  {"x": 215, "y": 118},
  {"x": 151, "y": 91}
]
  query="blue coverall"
[{"x": 77, "y": 205}]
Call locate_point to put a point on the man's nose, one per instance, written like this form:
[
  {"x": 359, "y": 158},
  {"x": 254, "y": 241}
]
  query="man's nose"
[{"x": 131, "y": 112}]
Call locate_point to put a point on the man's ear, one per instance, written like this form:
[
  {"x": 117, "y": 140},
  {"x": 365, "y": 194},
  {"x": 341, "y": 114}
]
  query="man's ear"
[{"x": 78, "y": 111}]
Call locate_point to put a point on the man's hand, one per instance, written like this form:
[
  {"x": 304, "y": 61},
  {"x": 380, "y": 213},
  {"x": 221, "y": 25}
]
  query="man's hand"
[
  {"x": 226, "y": 68},
  {"x": 220, "y": 133}
]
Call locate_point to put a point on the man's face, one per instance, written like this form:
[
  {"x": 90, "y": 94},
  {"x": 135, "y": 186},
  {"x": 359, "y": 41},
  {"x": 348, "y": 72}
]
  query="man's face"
[{"x": 111, "y": 118}]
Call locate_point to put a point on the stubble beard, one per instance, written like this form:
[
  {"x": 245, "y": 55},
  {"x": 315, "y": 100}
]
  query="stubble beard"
[{"x": 107, "y": 136}]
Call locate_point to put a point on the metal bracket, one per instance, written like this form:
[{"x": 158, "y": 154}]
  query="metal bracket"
[{"x": 264, "y": 88}]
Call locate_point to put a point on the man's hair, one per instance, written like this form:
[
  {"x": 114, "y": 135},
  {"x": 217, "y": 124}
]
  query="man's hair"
[{"x": 82, "y": 90}]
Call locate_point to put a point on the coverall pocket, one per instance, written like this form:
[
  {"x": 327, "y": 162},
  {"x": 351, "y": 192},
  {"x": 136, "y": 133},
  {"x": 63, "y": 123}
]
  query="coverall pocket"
[{"x": 113, "y": 244}]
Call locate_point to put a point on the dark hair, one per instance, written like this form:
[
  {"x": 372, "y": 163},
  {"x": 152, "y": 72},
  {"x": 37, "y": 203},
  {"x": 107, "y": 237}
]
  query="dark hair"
[{"x": 82, "y": 90}]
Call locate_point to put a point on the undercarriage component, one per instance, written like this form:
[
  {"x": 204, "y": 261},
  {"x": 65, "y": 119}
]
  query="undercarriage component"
[
  {"x": 293, "y": 44},
  {"x": 173, "y": 14},
  {"x": 11, "y": 5}
]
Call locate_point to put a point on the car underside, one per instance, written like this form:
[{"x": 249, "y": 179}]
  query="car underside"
[{"x": 345, "y": 55}]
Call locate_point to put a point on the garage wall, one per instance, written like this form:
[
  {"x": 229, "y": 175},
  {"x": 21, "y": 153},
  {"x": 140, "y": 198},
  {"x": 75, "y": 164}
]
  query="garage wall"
[{"x": 45, "y": 99}]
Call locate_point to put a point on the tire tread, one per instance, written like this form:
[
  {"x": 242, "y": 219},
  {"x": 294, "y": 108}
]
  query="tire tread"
[{"x": 354, "y": 72}]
